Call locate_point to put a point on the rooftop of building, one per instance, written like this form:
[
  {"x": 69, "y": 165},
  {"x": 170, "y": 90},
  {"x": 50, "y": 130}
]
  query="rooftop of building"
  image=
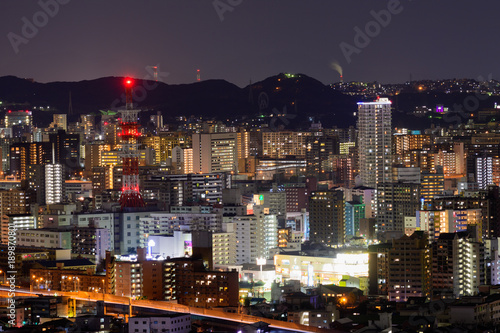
[
  {"x": 65, "y": 263},
  {"x": 167, "y": 315},
  {"x": 453, "y": 235}
]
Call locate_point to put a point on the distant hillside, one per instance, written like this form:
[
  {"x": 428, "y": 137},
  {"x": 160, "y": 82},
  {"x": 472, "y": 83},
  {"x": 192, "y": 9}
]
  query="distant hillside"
[
  {"x": 293, "y": 100},
  {"x": 301, "y": 96}
]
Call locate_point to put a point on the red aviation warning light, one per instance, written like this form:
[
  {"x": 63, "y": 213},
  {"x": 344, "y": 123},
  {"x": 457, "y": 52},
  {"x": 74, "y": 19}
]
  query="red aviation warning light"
[{"x": 131, "y": 195}]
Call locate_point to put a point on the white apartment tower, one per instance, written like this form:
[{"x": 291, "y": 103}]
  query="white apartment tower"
[
  {"x": 215, "y": 152},
  {"x": 54, "y": 183},
  {"x": 255, "y": 235},
  {"x": 375, "y": 134}
]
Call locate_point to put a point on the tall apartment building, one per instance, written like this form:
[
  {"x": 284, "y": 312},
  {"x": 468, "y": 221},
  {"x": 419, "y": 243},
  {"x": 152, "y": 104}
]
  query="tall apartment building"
[
  {"x": 297, "y": 197},
  {"x": 13, "y": 202},
  {"x": 90, "y": 242},
  {"x": 394, "y": 202},
  {"x": 432, "y": 185},
  {"x": 408, "y": 142},
  {"x": 255, "y": 235},
  {"x": 484, "y": 171},
  {"x": 224, "y": 246},
  {"x": 318, "y": 149},
  {"x": 66, "y": 149},
  {"x": 410, "y": 265},
  {"x": 457, "y": 265},
  {"x": 375, "y": 142},
  {"x": 354, "y": 212},
  {"x": 54, "y": 183},
  {"x": 275, "y": 200},
  {"x": 24, "y": 154},
  {"x": 437, "y": 222},
  {"x": 216, "y": 152},
  {"x": 326, "y": 218}
]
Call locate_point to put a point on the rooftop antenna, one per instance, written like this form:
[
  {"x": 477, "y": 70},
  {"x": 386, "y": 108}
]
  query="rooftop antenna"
[{"x": 155, "y": 71}]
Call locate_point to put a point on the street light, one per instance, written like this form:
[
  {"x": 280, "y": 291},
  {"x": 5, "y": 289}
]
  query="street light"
[{"x": 4, "y": 276}]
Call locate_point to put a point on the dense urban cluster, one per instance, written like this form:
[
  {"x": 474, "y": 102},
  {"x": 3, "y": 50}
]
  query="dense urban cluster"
[{"x": 358, "y": 229}]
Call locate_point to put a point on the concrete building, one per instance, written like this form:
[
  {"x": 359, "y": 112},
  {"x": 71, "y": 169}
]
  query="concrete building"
[
  {"x": 59, "y": 121},
  {"x": 284, "y": 143},
  {"x": 375, "y": 142},
  {"x": 275, "y": 200},
  {"x": 224, "y": 246},
  {"x": 432, "y": 185},
  {"x": 215, "y": 152},
  {"x": 255, "y": 235},
  {"x": 297, "y": 197},
  {"x": 409, "y": 269},
  {"x": 174, "y": 245},
  {"x": 326, "y": 218},
  {"x": 161, "y": 223},
  {"x": 47, "y": 238},
  {"x": 54, "y": 184},
  {"x": 457, "y": 265},
  {"x": 354, "y": 212},
  {"x": 394, "y": 202},
  {"x": 187, "y": 281},
  {"x": 406, "y": 175},
  {"x": 16, "y": 222},
  {"x": 484, "y": 172},
  {"x": 180, "y": 323},
  {"x": 436, "y": 222},
  {"x": 91, "y": 242}
]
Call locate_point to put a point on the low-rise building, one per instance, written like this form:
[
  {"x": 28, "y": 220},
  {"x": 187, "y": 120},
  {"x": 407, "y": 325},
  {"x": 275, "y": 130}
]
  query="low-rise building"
[{"x": 179, "y": 323}]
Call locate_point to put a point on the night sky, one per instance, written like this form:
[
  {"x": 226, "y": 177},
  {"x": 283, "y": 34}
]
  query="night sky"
[{"x": 250, "y": 39}]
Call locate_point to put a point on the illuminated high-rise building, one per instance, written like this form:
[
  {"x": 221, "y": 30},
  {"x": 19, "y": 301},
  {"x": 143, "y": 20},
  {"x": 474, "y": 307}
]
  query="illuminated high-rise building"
[
  {"x": 284, "y": 143},
  {"x": 215, "y": 152},
  {"x": 326, "y": 218},
  {"x": 484, "y": 172},
  {"x": 54, "y": 184},
  {"x": 18, "y": 118},
  {"x": 375, "y": 135},
  {"x": 432, "y": 185}
]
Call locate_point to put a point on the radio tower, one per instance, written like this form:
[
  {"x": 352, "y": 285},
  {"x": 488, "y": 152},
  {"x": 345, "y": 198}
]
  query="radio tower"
[
  {"x": 198, "y": 75},
  {"x": 130, "y": 197}
]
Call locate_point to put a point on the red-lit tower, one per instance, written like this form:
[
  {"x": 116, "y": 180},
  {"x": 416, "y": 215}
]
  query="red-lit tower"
[{"x": 130, "y": 197}]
